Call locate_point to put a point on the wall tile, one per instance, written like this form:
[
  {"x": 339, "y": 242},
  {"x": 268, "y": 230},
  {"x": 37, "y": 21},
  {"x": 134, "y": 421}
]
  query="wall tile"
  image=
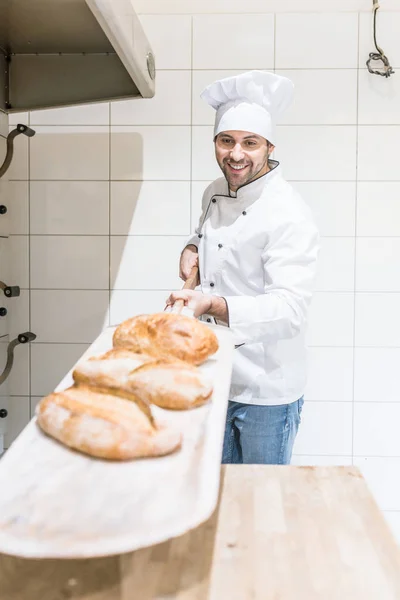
[
  {"x": 323, "y": 381},
  {"x": 19, "y": 165},
  {"x": 331, "y": 319},
  {"x": 3, "y": 326},
  {"x": 376, "y": 375},
  {"x": 170, "y": 37},
  {"x": 19, "y": 378},
  {"x": 204, "y": 164},
  {"x": 378, "y": 265},
  {"x": 18, "y": 418},
  {"x": 377, "y": 153},
  {"x": 3, "y": 149},
  {"x": 314, "y": 437},
  {"x": 50, "y": 363},
  {"x": 219, "y": 43},
  {"x": 126, "y": 304},
  {"x": 311, "y": 40},
  {"x": 377, "y": 321},
  {"x": 84, "y": 114},
  {"x": 198, "y": 189},
  {"x": 69, "y": 207},
  {"x": 378, "y": 208},
  {"x": 336, "y": 265},
  {"x": 4, "y": 387},
  {"x": 203, "y": 113},
  {"x": 69, "y": 262},
  {"x": 255, "y": 6},
  {"x": 18, "y": 313},
  {"x": 321, "y": 97},
  {"x": 376, "y": 429},
  {"x": 34, "y": 402},
  {"x": 388, "y": 26},
  {"x": 68, "y": 316},
  {"x": 150, "y": 207},
  {"x": 5, "y": 260},
  {"x": 379, "y": 474},
  {"x": 16, "y": 200},
  {"x": 146, "y": 262},
  {"x": 332, "y": 203},
  {"x": 18, "y": 249},
  {"x": 169, "y": 106},
  {"x": 4, "y": 200},
  {"x": 379, "y": 99},
  {"x": 160, "y": 153},
  {"x": 18, "y": 117},
  {"x": 67, "y": 152},
  {"x": 321, "y": 461},
  {"x": 311, "y": 153},
  {"x": 3, "y": 124}
]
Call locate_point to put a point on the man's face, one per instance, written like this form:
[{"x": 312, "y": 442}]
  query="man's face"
[{"x": 242, "y": 156}]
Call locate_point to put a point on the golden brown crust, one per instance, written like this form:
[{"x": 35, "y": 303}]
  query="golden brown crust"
[
  {"x": 169, "y": 383},
  {"x": 166, "y": 334},
  {"x": 107, "y": 372},
  {"x": 103, "y": 425},
  {"x": 170, "y": 386}
]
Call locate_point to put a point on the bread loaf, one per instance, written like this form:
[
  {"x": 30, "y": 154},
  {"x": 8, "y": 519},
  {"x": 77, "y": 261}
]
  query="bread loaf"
[
  {"x": 167, "y": 334},
  {"x": 166, "y": 382},
  {"x": 103, "y": 425}
]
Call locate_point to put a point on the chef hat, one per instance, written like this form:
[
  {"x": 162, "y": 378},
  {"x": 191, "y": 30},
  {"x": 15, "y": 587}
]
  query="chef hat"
[{"x": 250, "y": 102}]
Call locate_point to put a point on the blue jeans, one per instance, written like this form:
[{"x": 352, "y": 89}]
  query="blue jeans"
[{"x": 261, "y": 434}]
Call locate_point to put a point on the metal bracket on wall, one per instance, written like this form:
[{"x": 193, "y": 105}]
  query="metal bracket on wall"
[
  {"x": 22, "y": 338},
  {"x": 10, "y": 290},
  {"x": 10, "y": 145}
]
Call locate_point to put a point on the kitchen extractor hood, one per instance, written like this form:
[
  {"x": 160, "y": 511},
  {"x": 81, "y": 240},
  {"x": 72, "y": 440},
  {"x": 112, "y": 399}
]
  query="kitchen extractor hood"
[{"x": 63, "y": 52}]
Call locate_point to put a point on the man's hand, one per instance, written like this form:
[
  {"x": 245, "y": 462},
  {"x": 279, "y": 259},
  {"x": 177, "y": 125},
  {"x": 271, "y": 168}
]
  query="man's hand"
[
  {"x": 189, "y": 259},
  {"x": 200, "y": 303}
]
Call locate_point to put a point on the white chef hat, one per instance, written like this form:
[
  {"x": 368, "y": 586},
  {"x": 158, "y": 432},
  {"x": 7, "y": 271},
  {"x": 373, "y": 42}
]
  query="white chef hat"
[{"x": 250, "y": 102}]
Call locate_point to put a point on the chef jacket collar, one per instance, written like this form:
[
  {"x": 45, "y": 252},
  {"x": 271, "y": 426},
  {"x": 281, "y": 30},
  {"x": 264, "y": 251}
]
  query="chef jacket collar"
[{"x": 249, "y": 192}]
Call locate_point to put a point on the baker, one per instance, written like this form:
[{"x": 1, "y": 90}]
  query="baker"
[{"x": 256, "y": 245}]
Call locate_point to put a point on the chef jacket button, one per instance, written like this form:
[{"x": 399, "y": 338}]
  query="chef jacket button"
[
  {"x": 219, "y": 245},
  {"x": 244, "y": 213},
  {"x": 213, "y": 200},
  {"x": 212, "y": 284},
  {"x": 208, "y": 320},
  {"x": 200, "y": 235}
]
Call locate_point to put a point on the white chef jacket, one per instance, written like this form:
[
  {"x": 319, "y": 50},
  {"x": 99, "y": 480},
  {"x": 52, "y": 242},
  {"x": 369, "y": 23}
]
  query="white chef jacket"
[{"x": 258, "y": 249}]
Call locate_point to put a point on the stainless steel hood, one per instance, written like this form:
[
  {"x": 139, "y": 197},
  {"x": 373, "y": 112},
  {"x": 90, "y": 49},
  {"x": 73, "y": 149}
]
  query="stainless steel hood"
[{"x": 63, "y": 52}]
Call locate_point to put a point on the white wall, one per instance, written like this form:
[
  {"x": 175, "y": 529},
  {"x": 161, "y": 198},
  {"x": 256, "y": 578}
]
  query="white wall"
[
  {"x": 103, "y": 197},
  {"x": 4, "y": 264}
]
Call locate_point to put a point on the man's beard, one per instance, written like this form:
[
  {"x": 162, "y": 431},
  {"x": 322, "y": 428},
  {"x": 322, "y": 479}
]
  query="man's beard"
[{"x": 251, "y": 173}]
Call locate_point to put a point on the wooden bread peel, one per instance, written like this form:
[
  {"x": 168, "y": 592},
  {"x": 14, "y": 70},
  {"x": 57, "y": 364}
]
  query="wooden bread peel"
[{"x": 190, "y": 284}]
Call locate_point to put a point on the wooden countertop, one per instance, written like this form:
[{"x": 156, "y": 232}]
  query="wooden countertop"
[{"x": 279, "y": 533}]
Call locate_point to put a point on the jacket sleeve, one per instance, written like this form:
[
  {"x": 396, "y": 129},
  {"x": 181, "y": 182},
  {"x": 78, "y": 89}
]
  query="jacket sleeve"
[{"x": 289, "y": 263}]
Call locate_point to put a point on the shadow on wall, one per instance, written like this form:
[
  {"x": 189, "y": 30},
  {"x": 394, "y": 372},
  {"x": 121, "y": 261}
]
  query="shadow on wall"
[{"x": 126, "y": 256}]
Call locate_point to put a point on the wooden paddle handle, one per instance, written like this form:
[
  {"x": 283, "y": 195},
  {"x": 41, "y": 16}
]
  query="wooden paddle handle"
[{"x": 191, "y": 282}]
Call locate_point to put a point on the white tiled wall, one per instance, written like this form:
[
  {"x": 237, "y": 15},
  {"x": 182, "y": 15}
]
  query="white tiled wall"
[
  {"x": 4, "y": 270},
  {"x": 103, "y": 197}
]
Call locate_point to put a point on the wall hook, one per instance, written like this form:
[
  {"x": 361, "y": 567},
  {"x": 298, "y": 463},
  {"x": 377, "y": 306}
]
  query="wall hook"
[
  {"x": 22, "y": 338},
  {"x": 25, "y": 130},
  {"x": 10, "y": 291}
]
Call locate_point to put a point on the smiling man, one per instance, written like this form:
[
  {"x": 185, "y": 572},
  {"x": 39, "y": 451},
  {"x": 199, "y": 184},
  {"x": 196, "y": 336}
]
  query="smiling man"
[{"x": 256, "y": 245}]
